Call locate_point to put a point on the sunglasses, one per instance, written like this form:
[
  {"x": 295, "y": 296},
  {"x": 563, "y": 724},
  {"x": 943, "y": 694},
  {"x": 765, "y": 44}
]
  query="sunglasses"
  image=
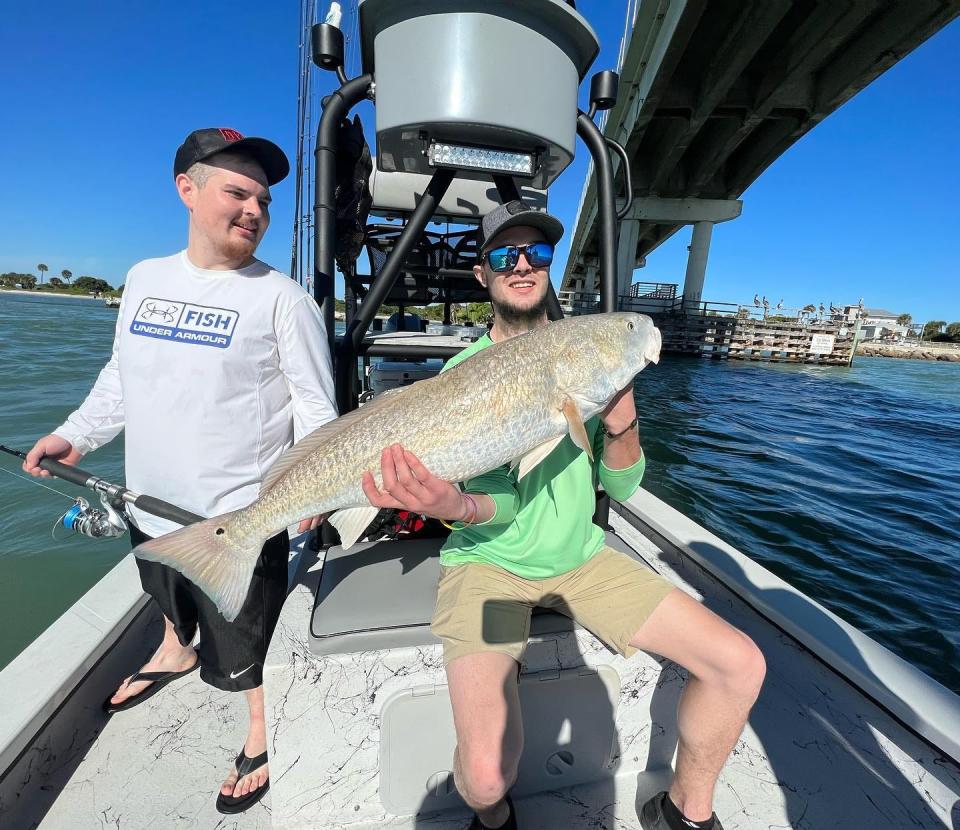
[{"x": 505, "y": 258}]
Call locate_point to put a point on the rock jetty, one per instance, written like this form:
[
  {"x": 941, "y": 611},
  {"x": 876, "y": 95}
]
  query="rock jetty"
[{"x": 945, "y": 352}]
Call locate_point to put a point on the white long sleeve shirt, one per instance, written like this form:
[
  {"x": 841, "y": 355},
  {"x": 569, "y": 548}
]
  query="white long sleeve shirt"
[{"x": 213, "y": 374}]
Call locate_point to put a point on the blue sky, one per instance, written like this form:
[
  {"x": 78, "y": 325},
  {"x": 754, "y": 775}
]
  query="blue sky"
[{"x": 97, "y": 97}]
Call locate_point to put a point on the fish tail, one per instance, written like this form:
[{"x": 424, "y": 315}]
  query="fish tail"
[{"x": 212, "y": 557}]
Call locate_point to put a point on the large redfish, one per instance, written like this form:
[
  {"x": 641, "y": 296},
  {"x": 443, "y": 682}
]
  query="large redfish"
[{"x": 511, "y": 402}]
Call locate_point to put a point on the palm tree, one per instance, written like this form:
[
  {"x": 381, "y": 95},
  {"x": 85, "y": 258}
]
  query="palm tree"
[
  {"x": 41, "y": 268},
  {"x": 932, "y": 328},
  {"x": 67, "y": 275},
  {"x": 904, "y": 320}
]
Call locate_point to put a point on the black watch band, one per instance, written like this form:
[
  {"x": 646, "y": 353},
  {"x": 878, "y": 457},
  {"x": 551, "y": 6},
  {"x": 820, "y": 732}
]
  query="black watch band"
[{"x": 623, "y": 431}]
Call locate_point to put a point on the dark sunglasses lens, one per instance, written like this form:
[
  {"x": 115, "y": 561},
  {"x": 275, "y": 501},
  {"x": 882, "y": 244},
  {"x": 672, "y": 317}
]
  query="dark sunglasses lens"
[
  {"x": 502, "y": 259},
  {"x": 540, "y": 254}
]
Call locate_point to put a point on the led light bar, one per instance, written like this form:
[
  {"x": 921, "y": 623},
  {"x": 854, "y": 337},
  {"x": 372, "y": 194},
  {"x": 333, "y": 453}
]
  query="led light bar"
[{"x": 480, "y": 158}]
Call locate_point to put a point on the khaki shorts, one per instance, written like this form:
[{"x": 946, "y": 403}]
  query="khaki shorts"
[{"x": 482, "y": 607}]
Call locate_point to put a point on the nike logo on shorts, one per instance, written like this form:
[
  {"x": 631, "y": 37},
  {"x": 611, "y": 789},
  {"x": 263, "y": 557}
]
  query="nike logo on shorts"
[{"x": 235, "y": 675}]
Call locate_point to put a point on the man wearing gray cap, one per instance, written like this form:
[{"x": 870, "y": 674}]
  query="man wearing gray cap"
[
  {"x": 219, "y": 363},
  {"x": 518, "y": 544}
]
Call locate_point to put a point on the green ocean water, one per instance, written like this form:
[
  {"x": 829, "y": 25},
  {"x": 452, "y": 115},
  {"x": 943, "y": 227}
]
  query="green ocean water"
[{"x": 845, "y": 482}]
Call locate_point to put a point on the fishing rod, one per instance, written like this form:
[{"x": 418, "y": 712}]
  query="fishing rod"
[{"x": 87, "y": 520}]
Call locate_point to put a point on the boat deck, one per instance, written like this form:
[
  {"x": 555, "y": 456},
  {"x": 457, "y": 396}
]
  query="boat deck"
[
  {"x": 158, "y": 765},
  {"x": 817, "y": 752}
]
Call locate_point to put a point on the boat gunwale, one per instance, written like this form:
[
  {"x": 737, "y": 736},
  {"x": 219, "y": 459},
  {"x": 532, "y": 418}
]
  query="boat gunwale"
[
  {"x": 76, "y": 643},
  {"x": 936, "y": 722}
]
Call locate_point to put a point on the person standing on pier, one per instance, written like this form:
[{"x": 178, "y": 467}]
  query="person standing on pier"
[
  {"x": 532, "y": 540},
  {"x": 219, "y": 364}
]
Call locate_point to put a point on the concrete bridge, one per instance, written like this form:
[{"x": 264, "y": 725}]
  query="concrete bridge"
[{"x": 712, "y": 92}]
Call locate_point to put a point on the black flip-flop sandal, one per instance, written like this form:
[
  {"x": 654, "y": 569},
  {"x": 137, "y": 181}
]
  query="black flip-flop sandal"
[
  {"x": 229, "y": 805},
  {"x": 158, "y": 679}
]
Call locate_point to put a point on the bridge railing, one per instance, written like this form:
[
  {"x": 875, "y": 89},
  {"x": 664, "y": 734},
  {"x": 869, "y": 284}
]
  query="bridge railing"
[
  {"x": 629, "y": 20},
  {"x": 588, "y": 302},
  {"x": 654, "y": 290}
]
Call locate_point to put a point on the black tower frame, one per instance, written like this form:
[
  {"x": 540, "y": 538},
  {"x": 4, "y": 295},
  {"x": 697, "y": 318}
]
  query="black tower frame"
[{"x": 345, "y": 354}]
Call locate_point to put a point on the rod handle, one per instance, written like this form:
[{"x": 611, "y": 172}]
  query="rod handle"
[
  {"x": 65, "y": 471},
  {"x": 165, "y": 510}
]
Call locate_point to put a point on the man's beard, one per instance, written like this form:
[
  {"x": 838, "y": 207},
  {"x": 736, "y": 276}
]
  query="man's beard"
[
  {"x": 237, "y": 249},
  {"x": 520, "y": 317}
]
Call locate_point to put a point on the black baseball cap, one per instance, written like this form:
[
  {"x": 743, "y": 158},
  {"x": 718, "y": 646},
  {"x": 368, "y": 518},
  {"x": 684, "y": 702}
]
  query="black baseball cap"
[
  {"x": 515, "y": 213},
  {"x": 202, "y": 144}
]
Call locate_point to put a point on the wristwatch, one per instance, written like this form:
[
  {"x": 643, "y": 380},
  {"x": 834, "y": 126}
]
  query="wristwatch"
[{"x": 626, "y": 429}]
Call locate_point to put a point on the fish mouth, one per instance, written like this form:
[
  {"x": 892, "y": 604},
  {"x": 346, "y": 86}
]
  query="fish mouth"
[{"x": 652, "y": 352}]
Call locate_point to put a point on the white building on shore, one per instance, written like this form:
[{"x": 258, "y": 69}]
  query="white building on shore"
[{"x": 876, "y": 323}]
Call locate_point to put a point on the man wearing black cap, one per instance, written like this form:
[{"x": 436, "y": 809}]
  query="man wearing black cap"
[
  {"x": 529, "y": 542},
  {"x": 219, "y": 364}
]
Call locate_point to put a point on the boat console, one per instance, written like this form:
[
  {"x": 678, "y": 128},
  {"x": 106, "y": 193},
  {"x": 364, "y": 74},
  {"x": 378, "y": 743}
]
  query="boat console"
[{"x": 443, "y": 155}]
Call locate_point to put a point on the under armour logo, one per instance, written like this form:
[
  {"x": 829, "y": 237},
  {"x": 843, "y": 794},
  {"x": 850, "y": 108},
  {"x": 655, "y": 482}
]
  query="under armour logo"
[{"x": 152, "y": 310}]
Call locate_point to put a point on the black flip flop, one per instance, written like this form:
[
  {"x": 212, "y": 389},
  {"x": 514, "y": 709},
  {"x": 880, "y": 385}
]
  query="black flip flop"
[
  {"x": 229, "y": 805},
  {"x": 158, "y": 679}
]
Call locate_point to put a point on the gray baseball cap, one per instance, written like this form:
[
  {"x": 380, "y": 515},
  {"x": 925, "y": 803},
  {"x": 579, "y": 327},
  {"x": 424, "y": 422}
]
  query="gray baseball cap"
[{"x": 517, "y": 213}]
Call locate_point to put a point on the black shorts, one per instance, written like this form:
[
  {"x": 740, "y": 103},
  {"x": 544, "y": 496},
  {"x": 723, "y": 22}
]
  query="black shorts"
[{"x": 231, "y": 653}]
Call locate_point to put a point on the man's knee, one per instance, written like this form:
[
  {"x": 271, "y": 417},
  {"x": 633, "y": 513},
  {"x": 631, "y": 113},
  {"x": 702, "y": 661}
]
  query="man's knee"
[
  {"x": 486, "y": 777},
  {"x": 744, "y": 666}
]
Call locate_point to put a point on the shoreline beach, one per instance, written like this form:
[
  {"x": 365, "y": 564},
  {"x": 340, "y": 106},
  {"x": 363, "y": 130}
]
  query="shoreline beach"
[{"x": 50, "y": 294}]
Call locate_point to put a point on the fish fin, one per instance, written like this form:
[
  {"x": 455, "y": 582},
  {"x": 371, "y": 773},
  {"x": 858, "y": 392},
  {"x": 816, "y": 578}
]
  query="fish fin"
[
  {"x": 351, "y": 522},
  {"x": 318, "y": 437},
  {"x": 527, "y": 462},
  {"x": 219, "y": 565},
  {"x": 578, "y": 432}
]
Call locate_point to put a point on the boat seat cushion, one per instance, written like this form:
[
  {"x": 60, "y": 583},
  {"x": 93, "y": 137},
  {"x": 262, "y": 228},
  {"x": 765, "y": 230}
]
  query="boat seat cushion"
[{"x": 381, "y": 595}]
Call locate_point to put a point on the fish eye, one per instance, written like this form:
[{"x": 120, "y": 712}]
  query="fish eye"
[
  {"x": 219, "y": 531},
  {"x": 630, "y": 326}
]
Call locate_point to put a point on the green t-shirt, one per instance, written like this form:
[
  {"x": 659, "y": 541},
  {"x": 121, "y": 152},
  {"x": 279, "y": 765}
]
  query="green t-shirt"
[{"x": 543, "y": 524}]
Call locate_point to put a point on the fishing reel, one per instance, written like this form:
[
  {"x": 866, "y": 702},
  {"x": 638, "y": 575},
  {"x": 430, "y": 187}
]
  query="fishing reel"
[
  {"x": 94, "y": 522},
  {"x": 91, "y": 521}
]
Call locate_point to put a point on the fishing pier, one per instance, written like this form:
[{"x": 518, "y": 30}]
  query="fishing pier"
[{"x": 727, "y": 331}]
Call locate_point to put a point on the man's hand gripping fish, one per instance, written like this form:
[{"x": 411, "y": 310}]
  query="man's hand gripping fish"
[{"x": 513, "y": 402}]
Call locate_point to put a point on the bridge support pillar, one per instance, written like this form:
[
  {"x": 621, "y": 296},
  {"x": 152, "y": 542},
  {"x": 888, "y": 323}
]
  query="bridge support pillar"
[
  {"x": 703, "y": 214},
  {"x": 591, "y": 277},
  {"x": 696, "y": 264},
  {"x": 626, "y": 256}
]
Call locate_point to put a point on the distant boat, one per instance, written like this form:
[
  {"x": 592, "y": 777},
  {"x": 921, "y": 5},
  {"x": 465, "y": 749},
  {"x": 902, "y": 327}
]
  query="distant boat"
[{"x": 112, "y": 302}]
